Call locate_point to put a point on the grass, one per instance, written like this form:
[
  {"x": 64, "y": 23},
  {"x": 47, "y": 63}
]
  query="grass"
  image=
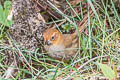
[{"x": 101, "y": 39}]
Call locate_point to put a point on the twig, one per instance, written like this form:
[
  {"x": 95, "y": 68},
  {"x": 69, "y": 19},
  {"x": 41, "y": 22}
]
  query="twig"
[
  {"x": 84, "y": 23},
  {"x": 83, "y": 66},
  {"x": 86, "y": 17},
  {"x": 10, "y": 71},
  {"x": 60, "y": 12},
  {"x": 45, "y": 9}
]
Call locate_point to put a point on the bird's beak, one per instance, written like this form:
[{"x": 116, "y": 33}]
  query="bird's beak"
[{"x": 48, "y": 42}]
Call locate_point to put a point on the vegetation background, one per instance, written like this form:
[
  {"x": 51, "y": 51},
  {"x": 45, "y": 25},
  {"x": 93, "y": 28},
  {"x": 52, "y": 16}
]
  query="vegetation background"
[{"x": 22, "y": 55}]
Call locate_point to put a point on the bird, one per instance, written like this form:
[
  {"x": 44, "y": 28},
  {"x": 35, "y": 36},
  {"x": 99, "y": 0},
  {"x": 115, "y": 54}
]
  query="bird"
[
  {"x": 64, "y": 46},
  {"x": 60, "y": 46}
]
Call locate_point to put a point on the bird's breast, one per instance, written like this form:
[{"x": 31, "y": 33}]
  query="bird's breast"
[
  {"x": 55, "y": 48},
  {"x": 56, "y": 51}
]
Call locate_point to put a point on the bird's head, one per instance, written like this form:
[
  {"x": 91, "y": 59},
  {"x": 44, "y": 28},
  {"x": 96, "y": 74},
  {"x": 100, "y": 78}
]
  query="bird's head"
[{"x": 52, "y": 37}]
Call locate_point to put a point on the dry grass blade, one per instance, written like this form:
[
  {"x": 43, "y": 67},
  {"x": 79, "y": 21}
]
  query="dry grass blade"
[
  {"x": 48, "y": 10},
  {"x": 84, "y": 23},
  {"x": 60, "y": 12},
  {"x": 10, "y": 72},
  {"x": 83, "y": 66},
  {"x": 75, "y": 2}
]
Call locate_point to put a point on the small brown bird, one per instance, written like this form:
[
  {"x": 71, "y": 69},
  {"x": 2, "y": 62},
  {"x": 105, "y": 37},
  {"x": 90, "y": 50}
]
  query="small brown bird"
[
  {"x": 63, "y": 46},
  {"x": 60, "y": 46}
]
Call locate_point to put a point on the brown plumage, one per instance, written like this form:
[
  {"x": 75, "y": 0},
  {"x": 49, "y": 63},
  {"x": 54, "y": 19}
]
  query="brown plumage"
[
  {"x": 60, "y": 46},
  {"x": 63, "y": 46}
]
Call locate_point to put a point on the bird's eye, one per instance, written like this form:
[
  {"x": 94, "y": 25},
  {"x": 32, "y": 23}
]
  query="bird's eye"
[{"x": 53, "y": 37}]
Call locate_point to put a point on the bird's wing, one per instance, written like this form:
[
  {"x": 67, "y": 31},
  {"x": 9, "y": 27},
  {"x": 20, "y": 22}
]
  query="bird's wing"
[{"x": 70, "y": 39}]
